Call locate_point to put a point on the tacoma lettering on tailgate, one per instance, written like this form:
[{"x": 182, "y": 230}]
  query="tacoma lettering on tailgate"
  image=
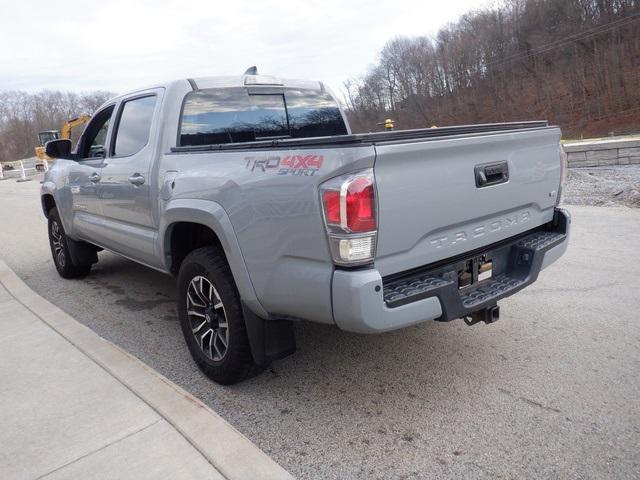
[{"x": 480, "y": 230}]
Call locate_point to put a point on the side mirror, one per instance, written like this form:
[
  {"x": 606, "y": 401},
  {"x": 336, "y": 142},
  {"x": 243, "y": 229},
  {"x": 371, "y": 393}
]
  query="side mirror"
[{"x": 58, "y": 148}]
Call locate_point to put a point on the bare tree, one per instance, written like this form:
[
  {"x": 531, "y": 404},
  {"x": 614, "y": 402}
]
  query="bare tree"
[
  {"x": 23, "y": 115},
  {"x": 573, "y": 62}
]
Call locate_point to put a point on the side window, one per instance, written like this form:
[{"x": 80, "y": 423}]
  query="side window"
[
  {"x": 92, "y": 142},
  {"x": 313, "y": 113},
  {"x": 100, "y": 138},
  {"x": 229, "y": 115},
  {"x": 134, "y": 125}
]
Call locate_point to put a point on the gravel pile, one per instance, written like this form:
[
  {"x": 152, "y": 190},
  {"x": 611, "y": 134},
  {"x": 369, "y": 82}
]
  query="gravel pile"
[{"x": 604, "y": 186}]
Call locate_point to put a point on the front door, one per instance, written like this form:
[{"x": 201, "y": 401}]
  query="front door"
[
  {"x": 125, "y": 189},
  {"x": 84, "y": 177}
]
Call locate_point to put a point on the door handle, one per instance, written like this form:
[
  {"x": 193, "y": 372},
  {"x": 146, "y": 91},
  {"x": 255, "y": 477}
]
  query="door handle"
[
  {"x": 491, "y": 174},
  {"x": 94, "y": 177},
  {"x": 136, "y": 179}
]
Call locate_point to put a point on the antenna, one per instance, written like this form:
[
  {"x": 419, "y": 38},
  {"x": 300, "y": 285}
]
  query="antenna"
[{"x": 251, "y": 71}]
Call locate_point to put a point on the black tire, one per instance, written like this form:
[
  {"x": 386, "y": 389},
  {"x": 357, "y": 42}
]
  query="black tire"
[
  {"x": 207, "y": 270},
  {"x": 60, "y": 250}
]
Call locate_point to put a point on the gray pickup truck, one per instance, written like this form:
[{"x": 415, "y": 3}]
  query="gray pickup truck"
[{"x": 255, "y": 194}]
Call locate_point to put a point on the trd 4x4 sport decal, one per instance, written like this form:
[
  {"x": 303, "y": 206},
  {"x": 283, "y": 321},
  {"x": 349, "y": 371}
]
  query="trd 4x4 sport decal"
[{"x": 306, "y": 165}]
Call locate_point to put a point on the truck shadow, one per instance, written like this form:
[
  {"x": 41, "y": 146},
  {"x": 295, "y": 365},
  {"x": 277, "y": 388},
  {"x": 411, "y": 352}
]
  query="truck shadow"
[
  {"x": 366, "y": 375},
  {"x": 401, "y": 391},
  {"x": 324, "y": 352},
  {"x": 384, "y": 364}
]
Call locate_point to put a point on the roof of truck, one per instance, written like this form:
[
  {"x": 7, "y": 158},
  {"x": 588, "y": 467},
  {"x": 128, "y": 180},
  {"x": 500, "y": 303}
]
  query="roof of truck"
[
  {"x": 199, "y": 83},
  {"x": 253, "y": 80}
]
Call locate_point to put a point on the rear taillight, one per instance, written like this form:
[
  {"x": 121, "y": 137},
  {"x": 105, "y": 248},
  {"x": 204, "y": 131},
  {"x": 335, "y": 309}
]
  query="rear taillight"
[
  {"x": 361, "y": 209},
  {"x": 331, "y": 201},
  {"x": 349, "y": 207}
]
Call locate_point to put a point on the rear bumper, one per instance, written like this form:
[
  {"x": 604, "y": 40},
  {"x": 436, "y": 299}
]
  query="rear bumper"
[{"x": 365, "y": 302}]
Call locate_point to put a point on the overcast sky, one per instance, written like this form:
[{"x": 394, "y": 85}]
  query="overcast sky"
[{"x": 121, "y": 45}]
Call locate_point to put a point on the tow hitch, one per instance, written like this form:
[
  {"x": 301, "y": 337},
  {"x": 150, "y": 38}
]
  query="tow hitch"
[{"x": 486, "y": 315}]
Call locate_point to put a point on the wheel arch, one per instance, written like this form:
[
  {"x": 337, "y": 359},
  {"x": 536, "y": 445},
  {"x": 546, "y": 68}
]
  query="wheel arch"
[
  {"x": 187, "y": 224},
  {"x": 48, "y": 203}
]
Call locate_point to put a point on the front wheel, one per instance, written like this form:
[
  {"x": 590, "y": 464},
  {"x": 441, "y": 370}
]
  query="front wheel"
[
  {"x": 60, "y": 250},
  {"x": 211, "y": 317}
]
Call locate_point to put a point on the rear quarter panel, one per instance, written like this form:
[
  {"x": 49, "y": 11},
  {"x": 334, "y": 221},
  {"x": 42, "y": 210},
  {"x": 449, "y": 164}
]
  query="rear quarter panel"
[{"x": 271, "y": 198}]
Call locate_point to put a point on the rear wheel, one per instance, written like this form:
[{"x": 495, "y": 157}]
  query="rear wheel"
[
  {"x": 211, "y": 317},
  {"x": 60, "y": 250}
]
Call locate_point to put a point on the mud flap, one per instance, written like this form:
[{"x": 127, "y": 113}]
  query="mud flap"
[
  {"x": 82, "y": 253},
  {"x": 269, "y": 339}
]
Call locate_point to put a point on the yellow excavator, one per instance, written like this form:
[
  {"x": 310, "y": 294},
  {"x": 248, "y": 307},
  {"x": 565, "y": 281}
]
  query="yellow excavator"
[{"x": 48, "y": 135}]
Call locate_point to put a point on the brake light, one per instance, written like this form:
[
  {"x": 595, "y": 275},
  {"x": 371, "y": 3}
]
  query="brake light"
[
  {"x": 349, "y": 207},
  {"x": 360, "y": 205}
]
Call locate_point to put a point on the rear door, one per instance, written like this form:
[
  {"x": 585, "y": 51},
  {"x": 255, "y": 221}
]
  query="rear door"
[
  {"x": 439, "y": 198},
  {"x": 126, "y": 188},
  {"x": 84, "y": 176}
]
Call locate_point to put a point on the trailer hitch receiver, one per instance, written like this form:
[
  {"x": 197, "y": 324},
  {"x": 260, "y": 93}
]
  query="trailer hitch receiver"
[{"x": 486, "y": 315}]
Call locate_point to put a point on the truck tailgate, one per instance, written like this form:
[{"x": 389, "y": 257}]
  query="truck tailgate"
[{"x": 433, "y": 202}]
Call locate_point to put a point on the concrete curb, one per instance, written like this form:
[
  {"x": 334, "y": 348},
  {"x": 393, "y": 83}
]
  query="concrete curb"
[
  {"x": 605, "y": 144},
  {"x": 230, "y": 452}
]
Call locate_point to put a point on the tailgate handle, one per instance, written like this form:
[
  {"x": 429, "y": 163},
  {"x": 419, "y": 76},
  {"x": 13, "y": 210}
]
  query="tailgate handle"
[{"x": 491, "y": 174}]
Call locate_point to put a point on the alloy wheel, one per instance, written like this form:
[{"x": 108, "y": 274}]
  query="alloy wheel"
[
  {"x": 207, "y": 318},
  {"x": 57, "y": 236}
]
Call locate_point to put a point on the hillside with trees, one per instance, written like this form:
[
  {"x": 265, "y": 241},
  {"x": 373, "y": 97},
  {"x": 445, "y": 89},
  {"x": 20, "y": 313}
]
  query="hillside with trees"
[
  {"x": 575, "y": 63},
  {"x": 23, "y": 115}
]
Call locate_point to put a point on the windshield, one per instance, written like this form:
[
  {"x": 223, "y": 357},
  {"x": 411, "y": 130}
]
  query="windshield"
[{"x": 45, "y": 137}]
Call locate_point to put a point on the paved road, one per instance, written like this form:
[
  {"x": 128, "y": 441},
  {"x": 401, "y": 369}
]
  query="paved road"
[{"x": 550, "y": 391}]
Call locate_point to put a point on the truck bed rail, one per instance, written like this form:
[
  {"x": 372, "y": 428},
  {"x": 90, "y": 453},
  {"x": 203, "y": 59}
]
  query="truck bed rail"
[{"x": 368, "y": 138}]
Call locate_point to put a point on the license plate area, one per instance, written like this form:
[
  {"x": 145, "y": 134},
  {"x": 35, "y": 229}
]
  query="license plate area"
[{"x": 475, "y": 271}]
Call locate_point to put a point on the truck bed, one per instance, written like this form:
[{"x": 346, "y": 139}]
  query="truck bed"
[
  {"x": 426, "y": 188},
  {"x": 429, "y": 206}
]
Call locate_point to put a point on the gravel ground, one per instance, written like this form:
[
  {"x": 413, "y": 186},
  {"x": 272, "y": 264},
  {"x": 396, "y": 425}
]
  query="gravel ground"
[{"x": 604, "y": 186}]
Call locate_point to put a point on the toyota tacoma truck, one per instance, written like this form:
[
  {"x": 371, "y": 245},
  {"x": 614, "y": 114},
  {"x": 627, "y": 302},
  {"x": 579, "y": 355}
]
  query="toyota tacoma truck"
[{"x": 253, "y": 192}]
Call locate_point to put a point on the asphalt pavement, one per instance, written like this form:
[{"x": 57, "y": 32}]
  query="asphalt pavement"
[{"x": 549, "y": 391}]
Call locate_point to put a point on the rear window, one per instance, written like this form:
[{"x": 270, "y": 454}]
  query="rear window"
[
  {"x": 313, "y": 113},
  {"x": 229, "y": 115}
]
